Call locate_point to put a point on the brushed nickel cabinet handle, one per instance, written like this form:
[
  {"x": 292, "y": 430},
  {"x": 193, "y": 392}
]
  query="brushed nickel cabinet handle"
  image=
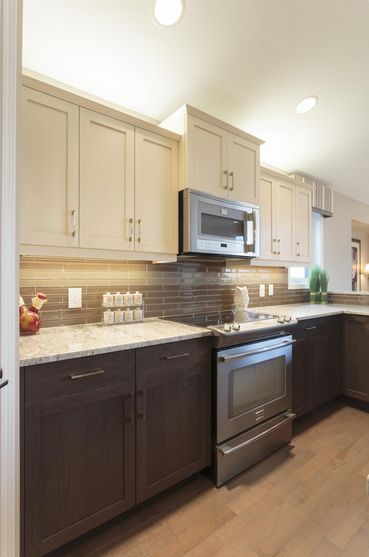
[
  {"x": 142, "y": 412},
  {"x": 226, "y": 184},
  {"x": 298, "y": 250},
  {"x": 184, "y": 355},
  {"x": 88, "y": 374},
  {"x": 231, "y": 174},
  {"x": 274, "y": 242},
  {"x": 140, "y": 229},
  {"x": 310, "y": 328},
  {"x": 130, "y": 232},
  {"x": 130, "y": 412},
  {"x": 74, "y": 232},
  {"x": 279, "y": 247}
]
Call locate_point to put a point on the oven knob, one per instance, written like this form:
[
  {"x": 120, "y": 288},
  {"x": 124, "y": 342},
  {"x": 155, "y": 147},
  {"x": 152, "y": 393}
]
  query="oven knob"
[
  {"x": 236, "y": 326},
  {"x": 227, "y": 327},
  {"x": 280, "y": 319},
  {"x": 287, "y": 318}
]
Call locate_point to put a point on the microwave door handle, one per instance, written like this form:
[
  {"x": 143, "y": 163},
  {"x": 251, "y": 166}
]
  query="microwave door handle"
[{"x": 250, "y": 217}]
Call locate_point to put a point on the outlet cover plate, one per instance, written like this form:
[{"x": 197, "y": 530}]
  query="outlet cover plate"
[
  {"x": 74, "y": 298},
  {"x": 262, "y": 290},
  {"x": 271, "y": 289}
]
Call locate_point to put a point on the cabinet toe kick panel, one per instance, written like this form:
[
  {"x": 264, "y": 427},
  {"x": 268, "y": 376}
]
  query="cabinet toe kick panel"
[{"x": 246, "y": 449}]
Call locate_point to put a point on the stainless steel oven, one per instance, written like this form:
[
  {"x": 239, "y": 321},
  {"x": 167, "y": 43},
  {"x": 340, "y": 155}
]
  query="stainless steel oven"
[
  {"x": 253, "y": 401},
  {"x": 217, "y": 226}
]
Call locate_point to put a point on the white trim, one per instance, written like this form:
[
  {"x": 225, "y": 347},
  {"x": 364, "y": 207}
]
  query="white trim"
[{"x": 10, "y": 46}]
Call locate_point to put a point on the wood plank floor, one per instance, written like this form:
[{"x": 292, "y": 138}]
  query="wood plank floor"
[{"x": 306, "y": 501}]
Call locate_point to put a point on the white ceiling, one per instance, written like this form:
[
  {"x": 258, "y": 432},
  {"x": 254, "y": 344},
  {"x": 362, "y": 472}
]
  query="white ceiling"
[{"x": 246, "y": 61}]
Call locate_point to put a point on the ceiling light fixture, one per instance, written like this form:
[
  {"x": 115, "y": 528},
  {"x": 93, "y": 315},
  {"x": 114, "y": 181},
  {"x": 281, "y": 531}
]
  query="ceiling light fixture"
[
  {"x": 306, "y": 104},
  {"x": 168, "y": 12}
]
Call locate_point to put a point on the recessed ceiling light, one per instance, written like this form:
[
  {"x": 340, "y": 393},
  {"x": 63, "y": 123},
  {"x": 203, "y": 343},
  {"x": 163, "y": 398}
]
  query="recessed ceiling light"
[
  {"x": 306, "y": 104},
  {"x": 168, "y": 12}
]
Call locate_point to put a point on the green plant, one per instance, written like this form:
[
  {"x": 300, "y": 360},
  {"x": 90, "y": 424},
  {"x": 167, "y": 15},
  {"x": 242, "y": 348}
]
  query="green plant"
[
  {"x": 324, "y": 279},
  {"x": 314, "y": 280}
]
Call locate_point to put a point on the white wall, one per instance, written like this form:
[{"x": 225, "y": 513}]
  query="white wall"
[{"x": 337, "y": 240}]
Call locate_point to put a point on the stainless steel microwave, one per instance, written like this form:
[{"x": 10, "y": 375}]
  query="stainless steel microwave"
[{"x": 217, "y": 226}]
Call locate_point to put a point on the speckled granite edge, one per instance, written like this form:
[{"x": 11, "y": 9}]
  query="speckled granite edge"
[
  {"x": 76, "y": 341},
  {"x": 302, "y": 312}
]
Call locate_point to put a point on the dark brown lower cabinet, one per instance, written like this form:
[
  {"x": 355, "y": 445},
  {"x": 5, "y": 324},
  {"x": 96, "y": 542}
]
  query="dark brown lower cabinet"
[
  {"x": 316, "y": 370},
  {"x": 95, "y": 444},
  {"x": 173, "y": 415},
  {"x": 79, "y": 450},
  {"x": 355, "y": 356}
]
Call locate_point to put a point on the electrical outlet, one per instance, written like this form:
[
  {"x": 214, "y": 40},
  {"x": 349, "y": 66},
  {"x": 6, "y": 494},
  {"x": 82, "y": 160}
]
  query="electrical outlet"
[
  {"x": 271, "y": 289},
  {"x": 262, "y": 290},
  {"x": 74, "y": 298}
]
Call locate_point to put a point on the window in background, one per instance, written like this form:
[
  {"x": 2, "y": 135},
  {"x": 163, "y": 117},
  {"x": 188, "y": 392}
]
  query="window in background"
[{"x": 298, "y": 277}]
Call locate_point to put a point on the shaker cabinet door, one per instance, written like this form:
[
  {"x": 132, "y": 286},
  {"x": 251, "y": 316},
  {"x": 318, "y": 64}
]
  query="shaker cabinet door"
[
  {"x": 268, "y": 245},
  {"x": 156, "y": 193},
  {"x": 79, "y": 464},
  {"x": 207, "y": 161},
  {"x": 243, "y": 166},
  {"x": 284, "y": 201},
  {"x": 303, "y": 224},
  {"x": 355, "y": 352},
  {"x": 49, "y": 171},
  {"x": 106, "y": 182}
]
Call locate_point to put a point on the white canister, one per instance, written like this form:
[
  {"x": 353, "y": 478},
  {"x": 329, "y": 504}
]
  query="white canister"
[
  {"x": 108, "y": 317},
  {"x": 118, "y": 299},
  {"x": 137, "y": 298},
  {"x": 128, "y": 314},
  {"x": 128, "y": 299},
  {"x": 137, "y": 314},
  {"x": 108, "y": 299},
  {"x": 118, "y": 316}
]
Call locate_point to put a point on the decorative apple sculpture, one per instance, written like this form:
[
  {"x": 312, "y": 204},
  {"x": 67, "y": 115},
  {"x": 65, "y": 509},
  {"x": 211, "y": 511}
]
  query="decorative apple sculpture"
[{"x": 29, "y": 319}]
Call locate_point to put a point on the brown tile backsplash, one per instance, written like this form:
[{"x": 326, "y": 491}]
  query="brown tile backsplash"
[{"x": 189, "y": 289}]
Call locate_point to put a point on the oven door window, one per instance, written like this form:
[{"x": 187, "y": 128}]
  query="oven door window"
[
  {"x": 225, "y": 227},
  {"x": 256, "y": 384}
]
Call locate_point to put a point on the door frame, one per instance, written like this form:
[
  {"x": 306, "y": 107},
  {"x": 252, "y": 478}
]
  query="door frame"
[{"x": 10, "y": 74}]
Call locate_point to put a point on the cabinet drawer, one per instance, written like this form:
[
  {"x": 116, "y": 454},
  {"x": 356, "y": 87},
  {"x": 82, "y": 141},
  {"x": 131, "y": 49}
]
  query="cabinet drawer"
[
  {"x": 67, "y": 377},
  {"x": 171, "y": 356},
  {"x": 310, "y": 327}
]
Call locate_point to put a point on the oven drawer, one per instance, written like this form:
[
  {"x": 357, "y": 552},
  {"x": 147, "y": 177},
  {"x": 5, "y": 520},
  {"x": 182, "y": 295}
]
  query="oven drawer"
[{"x": 241, "y": 452}]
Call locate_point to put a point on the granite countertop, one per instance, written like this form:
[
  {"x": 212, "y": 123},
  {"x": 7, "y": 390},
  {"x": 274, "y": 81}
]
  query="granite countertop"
[
  {"x": 64, "y": 343},
  {"x": 310, "y": 311}
]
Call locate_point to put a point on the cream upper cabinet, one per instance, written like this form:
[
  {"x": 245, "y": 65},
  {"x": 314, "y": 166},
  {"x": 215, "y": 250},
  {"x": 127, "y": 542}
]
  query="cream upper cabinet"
[
  {"x": 303, "y": 224},
  {"x": 215, "y": 157},
  {"x": 206, "y": 157},
  {"x": 244, "y": 169},
  {"x": 285, "y": 220},
  {"x": 49, "y": 171},
  {"x": 106, "y": 182},
  {"x": 267, "y": 237},
  {"x": 156, "y": 193}
]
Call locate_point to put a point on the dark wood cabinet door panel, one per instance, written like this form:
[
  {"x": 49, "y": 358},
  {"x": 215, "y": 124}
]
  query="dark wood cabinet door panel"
[
  {"x": 170, "y": 356},
  {"x": 301, "y": 380},
  {"x": 79, "y": 464},
  {"x": 56, "y": 379},
  {"x": 324, "y": 356},
  {"x": 355, "y": 356},
  {"x": 173, "y": 428},
  {"x": 316, "y": 369}
]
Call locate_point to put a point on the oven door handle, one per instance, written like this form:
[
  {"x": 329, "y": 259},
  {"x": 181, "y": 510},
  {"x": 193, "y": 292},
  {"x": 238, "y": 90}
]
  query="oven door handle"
[
  {"x": 258, "y": 351},
  {"x": 288, "y": 417}
]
